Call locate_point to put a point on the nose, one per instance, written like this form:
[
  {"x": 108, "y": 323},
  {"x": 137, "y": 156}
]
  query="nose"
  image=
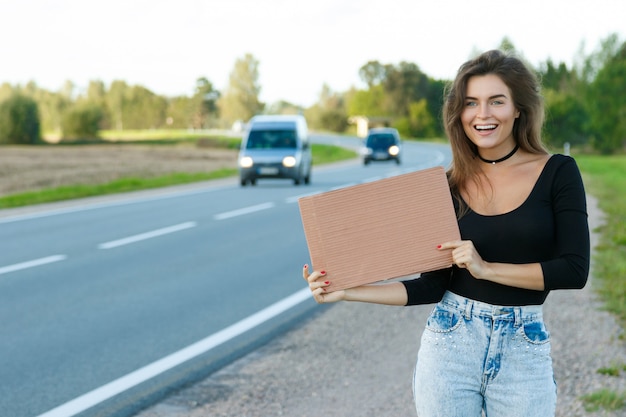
[{"x": 483, "y": 110}]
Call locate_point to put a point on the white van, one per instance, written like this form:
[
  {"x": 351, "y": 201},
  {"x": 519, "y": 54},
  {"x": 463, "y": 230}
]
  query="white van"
[{"x": 275, "y": 147}]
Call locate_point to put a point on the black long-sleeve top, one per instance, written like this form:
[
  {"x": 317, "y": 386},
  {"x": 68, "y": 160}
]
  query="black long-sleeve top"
[{"x": 550, "y": 227}]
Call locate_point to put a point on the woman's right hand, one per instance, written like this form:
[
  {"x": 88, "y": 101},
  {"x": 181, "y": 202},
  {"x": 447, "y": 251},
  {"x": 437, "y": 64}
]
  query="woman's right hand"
[{"x": 318, "y": 285}]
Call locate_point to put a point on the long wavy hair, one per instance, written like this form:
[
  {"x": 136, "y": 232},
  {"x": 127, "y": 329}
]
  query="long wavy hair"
[{"x": 526, "y": 94}]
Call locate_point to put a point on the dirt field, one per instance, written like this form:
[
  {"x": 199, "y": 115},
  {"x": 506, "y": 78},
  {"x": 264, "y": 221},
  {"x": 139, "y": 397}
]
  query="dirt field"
[{"x": 27, "y": 168}]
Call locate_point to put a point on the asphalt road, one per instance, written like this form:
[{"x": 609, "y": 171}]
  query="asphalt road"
[{"x": 106, "y": 304}]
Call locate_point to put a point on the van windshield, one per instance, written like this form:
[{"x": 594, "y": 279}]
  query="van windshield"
[
  {"x": 382, "y": 140},
  {"x": 271, "y": 139}
]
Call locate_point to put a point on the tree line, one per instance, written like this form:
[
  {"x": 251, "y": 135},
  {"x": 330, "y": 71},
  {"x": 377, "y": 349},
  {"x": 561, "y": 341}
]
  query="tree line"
[{"x": 585, "y": 103}]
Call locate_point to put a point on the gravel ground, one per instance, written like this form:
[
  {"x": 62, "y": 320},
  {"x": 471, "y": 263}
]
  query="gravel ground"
[{"x": 357, "y": 359}]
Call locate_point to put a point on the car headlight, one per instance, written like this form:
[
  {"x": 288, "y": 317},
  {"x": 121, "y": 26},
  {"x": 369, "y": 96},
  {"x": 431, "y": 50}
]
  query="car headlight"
[
  {"x": 394, "y": 150},
  {"x": 246, "y": 162},
  {"x": 289, "y": 161}
]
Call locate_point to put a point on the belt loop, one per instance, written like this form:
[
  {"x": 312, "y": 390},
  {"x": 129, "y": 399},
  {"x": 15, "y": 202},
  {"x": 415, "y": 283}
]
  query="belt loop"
[
  {"x": 468, "y": 309},
  {"x": 518, "y": 316}
]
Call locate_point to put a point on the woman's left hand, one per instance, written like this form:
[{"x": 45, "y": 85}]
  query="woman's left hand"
[{"x": 465, "y": 255}]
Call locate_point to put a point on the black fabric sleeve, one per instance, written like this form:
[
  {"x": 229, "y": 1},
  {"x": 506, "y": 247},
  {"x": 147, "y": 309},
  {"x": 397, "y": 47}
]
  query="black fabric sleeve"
[
  {"x": 569, "y": 268},
  {"x": 428, "y": 288}
]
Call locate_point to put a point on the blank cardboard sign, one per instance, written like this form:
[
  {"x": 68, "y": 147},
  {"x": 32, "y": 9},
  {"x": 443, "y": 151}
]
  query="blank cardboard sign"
[{"x": 380, "y": 230}]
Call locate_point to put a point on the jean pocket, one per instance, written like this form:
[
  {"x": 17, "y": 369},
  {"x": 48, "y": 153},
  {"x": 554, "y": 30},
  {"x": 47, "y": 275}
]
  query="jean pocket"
[
  {"x": 535, "y": 332},
  {"x": 443, "y": 321}
]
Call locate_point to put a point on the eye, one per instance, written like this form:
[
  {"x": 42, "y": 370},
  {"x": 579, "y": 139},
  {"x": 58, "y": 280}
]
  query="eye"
[
  {"x": 470, "y": 104},
  {"x": 497, "y": 102}
]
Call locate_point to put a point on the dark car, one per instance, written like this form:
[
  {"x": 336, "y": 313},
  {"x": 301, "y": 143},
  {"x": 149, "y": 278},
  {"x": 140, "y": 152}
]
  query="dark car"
[{"x": 382, "y": 144}]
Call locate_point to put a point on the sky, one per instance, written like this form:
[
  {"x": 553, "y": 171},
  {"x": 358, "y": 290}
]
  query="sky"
[{"x": 301, "y": 45}]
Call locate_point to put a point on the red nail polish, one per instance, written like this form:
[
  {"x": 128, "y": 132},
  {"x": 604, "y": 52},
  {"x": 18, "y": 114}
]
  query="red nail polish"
[
  {"x": 323, "y": 272},
  {"x": 438, "y": 246},
  {"x": 327, "y": 282},
  {"x": 306, "y": 266}
]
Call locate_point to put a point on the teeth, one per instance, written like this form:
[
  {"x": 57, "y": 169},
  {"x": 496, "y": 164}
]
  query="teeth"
[{"x": 485, "y": 127}]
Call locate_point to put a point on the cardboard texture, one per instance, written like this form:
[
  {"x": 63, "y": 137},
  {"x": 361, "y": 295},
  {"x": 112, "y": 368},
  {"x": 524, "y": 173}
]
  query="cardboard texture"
[{"x": 380, "y": 230}]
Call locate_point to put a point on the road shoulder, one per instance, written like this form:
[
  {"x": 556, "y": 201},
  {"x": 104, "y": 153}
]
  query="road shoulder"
[{"x": 359, "y": 358}]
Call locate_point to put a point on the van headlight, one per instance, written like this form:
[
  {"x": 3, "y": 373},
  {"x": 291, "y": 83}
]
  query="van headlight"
[
  {"x": 289, "y": 161},
  {"x": 394, "y": 150},
  {"x": 246, "y": 162}
]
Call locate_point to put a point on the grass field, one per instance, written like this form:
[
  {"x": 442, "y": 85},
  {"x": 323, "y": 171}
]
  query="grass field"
[
  {"x": 47, "y": 174},
  {"x": 605, "y": 178}
]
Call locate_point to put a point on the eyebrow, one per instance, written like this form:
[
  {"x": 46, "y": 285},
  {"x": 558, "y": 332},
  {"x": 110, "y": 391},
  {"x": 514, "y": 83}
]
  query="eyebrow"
[{"x": 490, "y": 98}]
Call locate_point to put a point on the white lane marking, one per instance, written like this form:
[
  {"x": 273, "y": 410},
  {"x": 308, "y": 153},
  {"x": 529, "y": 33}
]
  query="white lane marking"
[
  {"x": 147, "y": 235},
  {"x": 33, "y": 263},
  {"x": 295, "y": 198},
  {"x": 92, "y": 398},
  {"x": 245, "y": 210},
  {"x": 339, "y": 187}
]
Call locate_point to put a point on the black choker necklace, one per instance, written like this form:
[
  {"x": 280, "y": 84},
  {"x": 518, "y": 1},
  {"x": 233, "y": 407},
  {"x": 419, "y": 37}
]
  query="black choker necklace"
[{"x": 504, "y": 158}]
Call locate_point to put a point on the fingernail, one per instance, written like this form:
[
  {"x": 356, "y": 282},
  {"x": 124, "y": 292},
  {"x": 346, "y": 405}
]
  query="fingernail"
[
  {"x": 323, "y": 272},
  {"x": 306, "y": 266},
  {"x": 327, "y": 282},
  {"x": 438, "y": 246}
]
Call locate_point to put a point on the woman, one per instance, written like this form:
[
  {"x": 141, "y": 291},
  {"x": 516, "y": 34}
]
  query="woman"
[{"x": 523, "y": 222}]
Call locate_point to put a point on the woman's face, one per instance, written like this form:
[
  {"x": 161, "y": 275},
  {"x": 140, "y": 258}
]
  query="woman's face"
[{"x": 488, "y": 115}]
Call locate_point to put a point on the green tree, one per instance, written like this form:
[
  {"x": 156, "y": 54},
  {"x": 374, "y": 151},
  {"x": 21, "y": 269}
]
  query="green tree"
[
  {"x": 506, "y": 45},
  {"x": 6, "y": 91},
  {"x": 116, "y": 102},
  {"x": 566, "y": 119},
  {"x": 329, "y": 113},
  {"x": 241, "y": 99},
  {"x": 368, "y": 102},
  {"x": 204, "y": 101},
  {"x": 422, "y": 122},
  {"x": 403, "y": 85},
  {"x": 557, "y": 77},
  {"x": 82, "y": 121},
  {"x": 179, "y": 113},
  {"x": 283, "y": 107},
  {"x": 372, "y": 73},
  {"x": 19, "y": 120},
  {"x": 566, "y": 115},
  {"x": 143, "y": 109},
  {"x": 605, "y": 104},
  {"x": 434, "y": 103},
  {"x": 52, "y": 105}
]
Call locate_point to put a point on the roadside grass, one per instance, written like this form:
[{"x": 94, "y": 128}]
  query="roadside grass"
[
  {"x": 117, "y": 186},
  {"x": 325, "y": 154},
  {"x": 614, "y": 370},
  {"x": 605, "y": 178},
  {"x": 604, "y": 399}
]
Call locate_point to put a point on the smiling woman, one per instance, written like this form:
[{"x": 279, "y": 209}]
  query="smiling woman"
[{"x": 523, "y": 222}]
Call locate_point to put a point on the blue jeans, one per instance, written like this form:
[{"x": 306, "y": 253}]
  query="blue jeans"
[{"x": 480, "y": 358}]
